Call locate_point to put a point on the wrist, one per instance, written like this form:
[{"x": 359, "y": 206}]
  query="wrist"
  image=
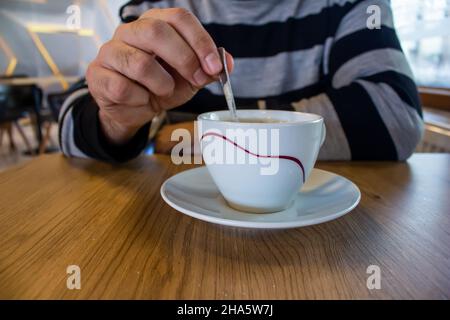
[{"x": 115, "y": 132}]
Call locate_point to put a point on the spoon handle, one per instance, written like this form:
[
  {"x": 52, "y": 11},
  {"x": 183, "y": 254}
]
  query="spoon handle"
[{"x": 226, "y": 85}]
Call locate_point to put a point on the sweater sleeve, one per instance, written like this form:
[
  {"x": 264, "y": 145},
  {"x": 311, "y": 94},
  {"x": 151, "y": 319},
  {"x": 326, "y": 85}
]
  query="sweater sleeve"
[
  {"x": 370, "y": 105},
  {"x": 80, "y": 134}
]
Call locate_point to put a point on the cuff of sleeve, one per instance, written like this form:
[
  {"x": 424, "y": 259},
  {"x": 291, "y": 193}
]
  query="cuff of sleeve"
[{"x": 90, "y": 139}]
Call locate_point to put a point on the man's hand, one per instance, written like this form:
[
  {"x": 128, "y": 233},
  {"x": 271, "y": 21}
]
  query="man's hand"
[{"x": 155, "y": 63}]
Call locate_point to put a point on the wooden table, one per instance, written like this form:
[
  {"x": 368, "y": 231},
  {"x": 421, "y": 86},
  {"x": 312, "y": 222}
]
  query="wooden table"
[{"x": 113, "y": 224}]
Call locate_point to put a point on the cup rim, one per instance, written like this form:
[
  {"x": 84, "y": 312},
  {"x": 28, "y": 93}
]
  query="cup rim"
[{"x": 206, "y": 117}]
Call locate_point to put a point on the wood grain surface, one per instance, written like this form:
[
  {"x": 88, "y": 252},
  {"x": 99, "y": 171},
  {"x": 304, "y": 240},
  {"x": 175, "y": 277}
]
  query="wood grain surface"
[{"x": 112, "y": 222}]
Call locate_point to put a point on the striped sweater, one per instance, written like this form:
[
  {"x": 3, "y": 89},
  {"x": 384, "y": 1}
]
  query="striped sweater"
[{"x": 314, "y": 56}]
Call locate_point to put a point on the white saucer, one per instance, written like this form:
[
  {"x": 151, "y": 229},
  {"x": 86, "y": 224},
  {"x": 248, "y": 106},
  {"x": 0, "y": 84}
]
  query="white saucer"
[{"x": 325, "y": 196}]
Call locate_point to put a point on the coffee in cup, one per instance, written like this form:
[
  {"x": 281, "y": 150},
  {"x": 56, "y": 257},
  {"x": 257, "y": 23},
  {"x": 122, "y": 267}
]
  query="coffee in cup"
[{"x": 259, "y": 120}]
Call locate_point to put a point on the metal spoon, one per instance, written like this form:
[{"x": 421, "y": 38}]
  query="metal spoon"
[{"x": 226, "y": 85}]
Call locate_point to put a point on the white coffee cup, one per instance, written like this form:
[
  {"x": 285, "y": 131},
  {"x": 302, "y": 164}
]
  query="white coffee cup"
[{"x": 265, "y": 175}]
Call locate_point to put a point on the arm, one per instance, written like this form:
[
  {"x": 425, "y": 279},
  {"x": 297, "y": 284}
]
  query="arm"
[
  {"x": 80, "y": 133},
  {"x": 371, "y": 105}
]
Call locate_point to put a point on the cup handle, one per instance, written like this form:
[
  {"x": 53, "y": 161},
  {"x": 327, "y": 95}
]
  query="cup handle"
[{"x": 324, "y": 134}]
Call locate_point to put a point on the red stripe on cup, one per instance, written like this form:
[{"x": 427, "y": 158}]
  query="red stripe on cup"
[{"x": 290, "y": 158}]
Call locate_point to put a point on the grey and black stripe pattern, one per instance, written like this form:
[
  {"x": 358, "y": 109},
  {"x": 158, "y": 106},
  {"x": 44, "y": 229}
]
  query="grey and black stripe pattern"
[{"x": 316, "y": 56}]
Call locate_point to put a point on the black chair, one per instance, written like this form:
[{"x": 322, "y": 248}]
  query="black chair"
[
  {"x": 18, "y": 101},
  {"x": 49, "y": 117},
  {"x": 55, "y": 102}
]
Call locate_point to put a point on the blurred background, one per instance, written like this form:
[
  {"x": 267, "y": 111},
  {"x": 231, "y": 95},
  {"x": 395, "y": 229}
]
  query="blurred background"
[
  {"x": 424, "y": 30},
  {"x": 39, "y": 39},
  {"x": 35, "y": 39},
  {"x": 41, "y": 43}
]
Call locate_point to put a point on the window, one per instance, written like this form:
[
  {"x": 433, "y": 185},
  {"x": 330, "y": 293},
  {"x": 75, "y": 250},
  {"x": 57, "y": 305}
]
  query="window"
[{"x": 424, "y": 30}]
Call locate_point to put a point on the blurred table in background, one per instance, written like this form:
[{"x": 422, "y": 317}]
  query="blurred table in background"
[{"x": 42, "y": 81}]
